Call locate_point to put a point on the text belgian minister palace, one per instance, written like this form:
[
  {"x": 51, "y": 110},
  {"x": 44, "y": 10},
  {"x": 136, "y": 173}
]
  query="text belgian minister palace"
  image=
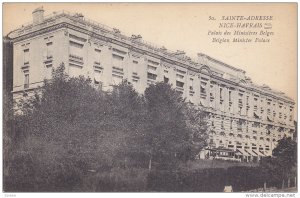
[{"x": 245, "y": 119}]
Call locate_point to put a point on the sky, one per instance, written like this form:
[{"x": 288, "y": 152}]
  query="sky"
[{"x": 185, "y": 26}]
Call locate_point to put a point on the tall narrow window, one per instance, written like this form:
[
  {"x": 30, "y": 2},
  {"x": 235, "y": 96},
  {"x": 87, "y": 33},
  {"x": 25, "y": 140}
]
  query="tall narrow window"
[
  {"x": 76, "y": 50},
  {"x": 230, "y": 99},
  {"x": 26, "y": 56},
  {"x": 26, "y": 81},
  {"x": 97, "y": 56},
  {"x": 117, "y": 60},
  {"x": 75, "y": 57},
  {"x": 221, "y": 93},
  {"x": 49, "y": 50},
  {"x": 191, "y": 84},
  {"x": 166, "y": 80},
  {"x": 203, "y": 90}
]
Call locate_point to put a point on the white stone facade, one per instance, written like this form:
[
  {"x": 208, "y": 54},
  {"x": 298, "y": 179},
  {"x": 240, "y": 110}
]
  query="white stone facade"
[{"x": 242, "y": 115}]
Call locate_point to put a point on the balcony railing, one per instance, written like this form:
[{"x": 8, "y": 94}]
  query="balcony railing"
[
  {"x": 25, "y": 65},
  {"x": 179, "y": 88},
  {"x": 76, "y": 59},
  {"x": 96, "y": 63},
  {"x": 48, "y": 59}
]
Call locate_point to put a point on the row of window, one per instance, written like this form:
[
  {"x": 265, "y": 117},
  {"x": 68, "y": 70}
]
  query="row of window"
[{"x": 117, "y": 61}]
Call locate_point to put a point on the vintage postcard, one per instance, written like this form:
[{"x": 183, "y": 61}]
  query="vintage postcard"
[{"x": 150, "y": 97}]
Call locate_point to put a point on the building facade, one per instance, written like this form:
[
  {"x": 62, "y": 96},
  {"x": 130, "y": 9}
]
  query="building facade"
[{"x": 243, "y": 116}]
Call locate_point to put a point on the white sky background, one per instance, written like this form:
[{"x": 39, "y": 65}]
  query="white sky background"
[{"x": 184, "y": 26}]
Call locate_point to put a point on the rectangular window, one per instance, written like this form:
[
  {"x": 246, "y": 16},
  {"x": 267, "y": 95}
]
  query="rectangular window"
[
  {"x": 97, "y": 56},
  {"x": 49, "y": 50},
  {"x": 179, "y": 84},
  {"x": 230, "y": 96},
  {"x": 26, "y": 56},
  {"x": 221, "y": 94},
  {"x": 203, "y": 88},
  {"x": 76, "y": 48},
  {"x": 117, "y": 60},
  {"x": 179, "y": 76},
  {"x": 76, "y": 54},
  {"x": 166, "y": 80},
  {"x": 117, "y": 57},
  {"x": 151, "y": 76},
  {"x": 152, "y": 67},
  {"x": 26, "y": 81},
  {"x": 135, "y": 77},
  {"x": 191, "y": 84},
  {"x": 255, "y": 108}
]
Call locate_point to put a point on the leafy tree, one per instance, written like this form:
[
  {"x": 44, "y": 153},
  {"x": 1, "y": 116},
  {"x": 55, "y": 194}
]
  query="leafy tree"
[
  {"x": 286, "y": 151},
  {"x": 286, "y": 156},
  {"x": 283, "y": 163},
  {"x": 69, "y": 128},
  {"x": 170, "y": 133},
  {"x": 196, "y": 121},
  {"x": 129, "y": 109}
]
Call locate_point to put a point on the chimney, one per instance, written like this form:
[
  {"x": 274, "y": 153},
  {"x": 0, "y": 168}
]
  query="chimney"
[
  {"x": 38, "y": 15},
  {"x": 136, "y": 38},
  {"x": 79, "y": 16}
]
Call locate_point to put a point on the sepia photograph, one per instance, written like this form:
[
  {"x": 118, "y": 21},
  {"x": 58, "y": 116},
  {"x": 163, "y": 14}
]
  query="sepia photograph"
[{"x": 149, "y": 97}]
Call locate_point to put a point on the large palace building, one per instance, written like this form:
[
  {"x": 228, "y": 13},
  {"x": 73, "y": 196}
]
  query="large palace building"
[{"x": 244, "y": 117}]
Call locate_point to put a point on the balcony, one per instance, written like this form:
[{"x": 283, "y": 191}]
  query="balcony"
[
  {"x": 97, "y": 67},
  {"x": 97, "y": 63},
  {"x": 76, "y": 59},
  {"x": 25, "y": 65},
  {"x": 179, "y": 88},
  {"x": 48, "y": 59},
  {"x": 203, "y": 95}
]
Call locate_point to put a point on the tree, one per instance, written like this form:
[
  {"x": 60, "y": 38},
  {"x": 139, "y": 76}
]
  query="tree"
[
  {"x": 70, "y": 127},
  {"x": 129, "y": 109},
  {"x": 196, "y": 121},
  {"x": 283, "y": 163},
  {"x": 286, "y": 155},
  {"x": 171, "y": 129}
]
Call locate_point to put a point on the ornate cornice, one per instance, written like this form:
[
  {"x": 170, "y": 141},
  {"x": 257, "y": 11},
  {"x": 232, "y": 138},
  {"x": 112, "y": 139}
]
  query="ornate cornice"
[{"x": 39, "y": 32}]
